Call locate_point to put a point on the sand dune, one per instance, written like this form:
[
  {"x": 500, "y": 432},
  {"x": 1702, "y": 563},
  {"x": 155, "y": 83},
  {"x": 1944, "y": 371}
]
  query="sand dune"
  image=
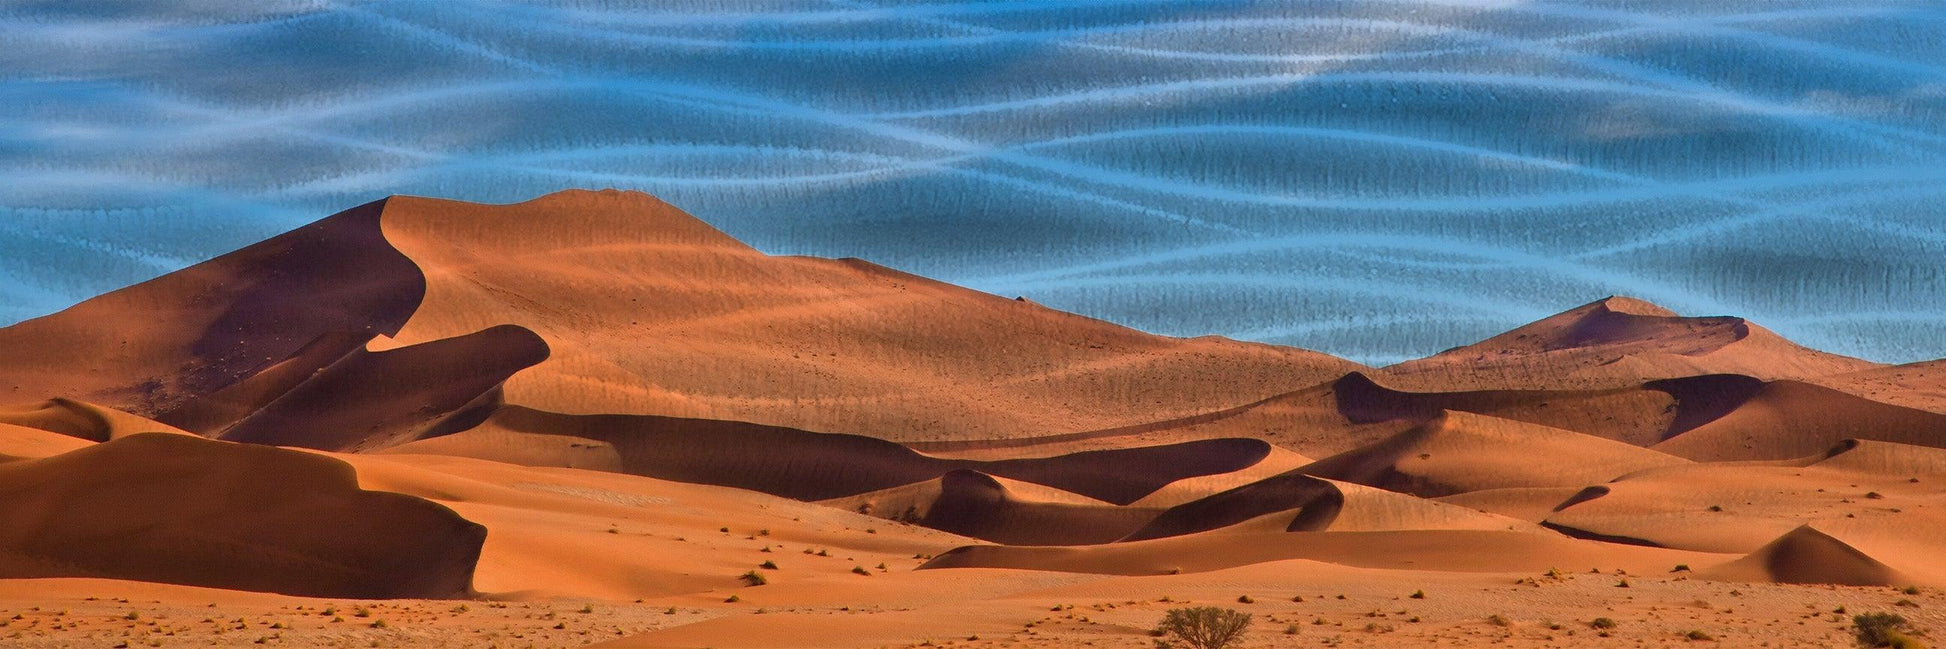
[
  {"x": 1458, "y": 452},
  {"x": 81, "y": 420},
  {"x": 1920, "y": 385},
  {"x": 152, "y": 347},
  {"x": 1294, "y": 502},
  {"x": 1619, "y": 341},
  {"x": 818, "y": 466},
  {"x": 1719, "y": 507},
  {"x": 1452, "y": 550},
  {"x": 177, "y": 509},
  {"x": 626, "y": 293},
  {"x": 1807, "y": 556},
  {"x": 970, "y": 503},
  {"x": 1789, "y": 419},
  {"x": 1356, "y": 410},
  {"x": 635, "y": 289}
]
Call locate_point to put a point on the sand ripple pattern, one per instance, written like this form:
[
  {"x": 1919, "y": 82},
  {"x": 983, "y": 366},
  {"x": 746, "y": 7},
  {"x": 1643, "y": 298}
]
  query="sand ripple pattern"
[{"x": 1378, "y": 179}]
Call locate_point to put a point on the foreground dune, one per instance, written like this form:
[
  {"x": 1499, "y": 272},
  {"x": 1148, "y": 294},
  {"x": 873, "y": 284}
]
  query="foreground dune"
[
  {"x": 593, "y": 419},
  {"x": 178, "y": 509}
]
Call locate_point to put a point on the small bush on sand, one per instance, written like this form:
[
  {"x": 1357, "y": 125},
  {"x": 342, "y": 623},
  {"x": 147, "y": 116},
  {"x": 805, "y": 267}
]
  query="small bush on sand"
[
  {"x": 753, "y": 578},
  {"x": 1202, "y": 627},
  {"x": 1602, "y": 623},
  {"x": 1884, "y": 630},
  {"x": 1698, "y": 635}
]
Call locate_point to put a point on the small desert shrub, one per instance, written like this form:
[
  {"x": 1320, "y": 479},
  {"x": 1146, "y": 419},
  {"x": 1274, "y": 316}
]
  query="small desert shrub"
[
  {"x": 1246, "y": 599},
  {"x": 1418, "y": 594},
  {"x": 1499, "y": 620},
  {"x": 1602, "y": 623},
  {"x": 1883, "y": 630},
  {"x": 753, "y": 578},
  {"x": 1203, "y": 627},
  {"x": 768, "y": 565},
  {"x": 860, "y": 570},
  {"x": 1697, "y": 635}
]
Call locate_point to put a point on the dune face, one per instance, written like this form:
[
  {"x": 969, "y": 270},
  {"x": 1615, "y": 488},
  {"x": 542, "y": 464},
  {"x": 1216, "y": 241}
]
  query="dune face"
[
  {"x": 1788, "y": 419},
  {"x": 155, "y": 346},
  {"x": 625, "y": 293},
  {"x": 177, "y": 509},
  {"x": 1807, "y": 556},
  {"x": 1620, "y": 341},
  {"x": 595, "y": 396},
  {"x": 1458, "y": 452}
]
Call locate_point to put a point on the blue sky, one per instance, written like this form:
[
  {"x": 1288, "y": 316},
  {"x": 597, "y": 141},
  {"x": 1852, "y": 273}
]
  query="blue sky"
[{"x": 1378, "y": 180}]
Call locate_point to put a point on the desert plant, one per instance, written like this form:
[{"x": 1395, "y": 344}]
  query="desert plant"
[
  {"x": 1883, "y": 630},
  {"x": 1698, "y": 635},
  {"x": 1602, "y": 623},
  {"x": 753, "y": 578},
  {"x": 1202, "y": 627}
]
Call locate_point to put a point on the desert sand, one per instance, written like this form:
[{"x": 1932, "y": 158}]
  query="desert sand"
[{"x": 592, "y": 419}]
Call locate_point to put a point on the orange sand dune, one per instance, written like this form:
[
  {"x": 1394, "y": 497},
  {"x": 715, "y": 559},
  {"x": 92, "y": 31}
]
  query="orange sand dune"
[
  {"x": 1458, "y": 452},
  {"x": 81, "y": 420},
  {"x": 1614, "y": 342},
  {"x": 643, "y": 309},
  {"x": 818, "y": 466},
  {"x": 970, "y": 503},
  {"x": 1789, "y": 419},
  {"x": 1450, "y": 550},
  {"x": 174, "y": 508},
  {"x": 1919, "y": 385},
  {"x": 1720, "y": 507},
  {"x": 1356, "y": 410},
  {"x": 555, "y": 532},
  {"x": 1807, "y": 556},
  {"x": 1295, "y": 502},
  {"x": 26, "y": 443}
]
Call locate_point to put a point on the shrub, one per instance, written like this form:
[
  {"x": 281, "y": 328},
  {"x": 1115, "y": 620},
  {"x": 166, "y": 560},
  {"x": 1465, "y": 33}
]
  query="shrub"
[
  {"x": 1697, "y": 635},
  {"x": 753, "y": 578},
  {"x": 1499, "y": 620},
  {"x": 1418, "y": 594},
  {"x": 768, "y": 565},
  {"x": 1602, "y": 623},
  {"x": 1203, "y": 627},
  {"x": 1883, "y": 630}
]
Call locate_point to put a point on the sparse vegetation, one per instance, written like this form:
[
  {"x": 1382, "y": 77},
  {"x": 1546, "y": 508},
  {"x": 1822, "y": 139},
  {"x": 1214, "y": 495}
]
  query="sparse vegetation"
[
  {"x": 860, "y": 570},
  {"x": 1418, "y": 594},
  {"x": 1602, "y": 623},
  {"x": 768, "y": 565},
  {"x": 1203, "y": 627},
  {"x": 1246, "y": 599},
  {"x": 1698, "y": 635},
  {"x": 1499, "y": 620},
  {"x": 1884, "y": 630},
  {"x": 753, "y": 578}
]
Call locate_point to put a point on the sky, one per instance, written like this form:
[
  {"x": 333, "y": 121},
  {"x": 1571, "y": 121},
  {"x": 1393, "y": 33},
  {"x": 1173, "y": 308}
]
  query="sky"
[{"x": 1379, "y": 180}]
